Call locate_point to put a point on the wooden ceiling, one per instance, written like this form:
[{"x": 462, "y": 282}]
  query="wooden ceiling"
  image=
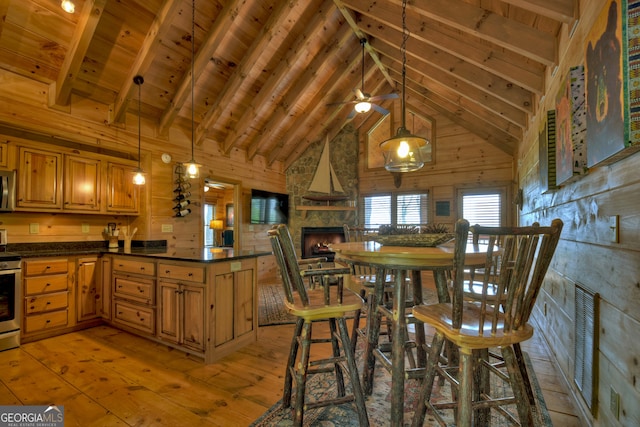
[{"x": 265, "y": 70}]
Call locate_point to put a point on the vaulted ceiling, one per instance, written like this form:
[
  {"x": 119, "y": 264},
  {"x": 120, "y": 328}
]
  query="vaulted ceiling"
[{"x": 265, "y": 70}]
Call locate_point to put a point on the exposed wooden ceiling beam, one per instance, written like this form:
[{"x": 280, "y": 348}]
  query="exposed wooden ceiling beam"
[
  {"x": 560, "y": 10},
  {"x": 218, "y": 31},
  {"x": 158, "y": 31},
  {"x": 60, "y": 90}
]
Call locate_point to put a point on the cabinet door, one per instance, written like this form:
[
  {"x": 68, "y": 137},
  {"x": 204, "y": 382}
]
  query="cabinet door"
[
  {"x": 39, "y": 185},
  {"x": 81, "y": 183},
  {"x": 104, "y": 297},
  {"x": 193, "y": 317},
  {"x": 224, "y": 312},
  {"x": 122, "y": 194},
  {"x": 168, "y": 313},
  {"x": 243, "y": 316},
  {"x": 86, "y": 294}
]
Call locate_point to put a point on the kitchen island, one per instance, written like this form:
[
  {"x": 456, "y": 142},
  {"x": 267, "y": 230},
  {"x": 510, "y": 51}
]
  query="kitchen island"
[{"x": 202, "y": 301}]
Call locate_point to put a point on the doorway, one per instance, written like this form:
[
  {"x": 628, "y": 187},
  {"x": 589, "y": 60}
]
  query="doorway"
[{"x": 221, "y": 205}]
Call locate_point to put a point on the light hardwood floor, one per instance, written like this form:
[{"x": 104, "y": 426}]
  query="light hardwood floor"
[{"x": 107, "y": 377}]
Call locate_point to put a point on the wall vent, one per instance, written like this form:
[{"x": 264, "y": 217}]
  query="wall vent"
[{"x": 586, "y": 345}]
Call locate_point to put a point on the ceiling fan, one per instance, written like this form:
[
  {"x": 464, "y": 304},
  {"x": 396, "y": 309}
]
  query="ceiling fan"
[{"x": 364, "y": 101}]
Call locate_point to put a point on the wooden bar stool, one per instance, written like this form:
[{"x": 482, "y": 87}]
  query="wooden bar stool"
[
  {"x": 475, "y": 325},
  {"x": 329, "y": 303}
]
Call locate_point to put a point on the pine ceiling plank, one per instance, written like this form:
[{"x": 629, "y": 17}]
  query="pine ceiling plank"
[
  {"x": 360, "y": 34},
  {"x": 474, "y": 20},
  {"x": 450, "y": 69},
  {"x": 89, "y": 19},
  {"x": 433, "y": 79},
  {"x": 500, "y": 30},
  {"x": 271, "y": 32},
  {"x": 503, "y": 142},
  {"x": 486, "y": 56},
  {"x": 560, "y": 10},
  {"x": 317, "y": 107},
  {"x": 218, "y": 31},
  {"x": 304, "y": 84},
  {"x": 147, "y": 53},
  {"x": 271, "y": 92}
]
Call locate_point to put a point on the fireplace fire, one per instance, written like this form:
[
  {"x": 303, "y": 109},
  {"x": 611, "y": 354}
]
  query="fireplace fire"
[{"x": 316, "y": 241}]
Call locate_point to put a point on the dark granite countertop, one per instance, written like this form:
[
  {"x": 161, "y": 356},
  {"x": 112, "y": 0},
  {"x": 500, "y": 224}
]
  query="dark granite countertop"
[{"x": 155, "y": 249}]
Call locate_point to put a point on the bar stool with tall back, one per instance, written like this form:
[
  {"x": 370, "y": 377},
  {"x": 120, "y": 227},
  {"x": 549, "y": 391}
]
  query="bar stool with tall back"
[
  {"x": 328, "y": 302},
  {"x": 475, "y": 325}
]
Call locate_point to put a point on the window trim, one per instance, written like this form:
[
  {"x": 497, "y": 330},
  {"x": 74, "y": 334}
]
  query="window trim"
[{"x": 505, "y": 212}]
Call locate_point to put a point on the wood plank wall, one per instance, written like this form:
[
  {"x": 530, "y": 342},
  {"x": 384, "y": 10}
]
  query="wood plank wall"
[{"x": 586, "y": 255}]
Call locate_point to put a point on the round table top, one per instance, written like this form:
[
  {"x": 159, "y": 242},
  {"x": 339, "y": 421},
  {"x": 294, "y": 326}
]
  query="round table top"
[{"x": 405, "y": 256}]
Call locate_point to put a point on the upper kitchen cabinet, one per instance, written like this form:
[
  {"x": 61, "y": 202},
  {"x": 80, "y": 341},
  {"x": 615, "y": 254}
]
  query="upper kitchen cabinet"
[
  {"x": 40, "y": 178},
  {"x": 81, "y": 183},
  {"x": 122, "y": 193},
  {"x": 76, "y": 181}
]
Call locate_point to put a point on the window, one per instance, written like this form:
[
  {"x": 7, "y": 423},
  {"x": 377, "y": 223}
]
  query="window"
[
  {"x": 483, "y": 208},
  {"x": 402, "y": 208}
]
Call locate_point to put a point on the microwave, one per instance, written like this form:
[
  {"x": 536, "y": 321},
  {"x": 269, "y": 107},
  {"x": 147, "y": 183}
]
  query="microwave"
[{"x": 7, "y": 191}]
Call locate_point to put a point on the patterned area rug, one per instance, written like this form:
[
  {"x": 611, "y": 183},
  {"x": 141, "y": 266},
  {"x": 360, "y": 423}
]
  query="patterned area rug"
[
  {"x": 379, "y": 405},
  {"x": 271, "y": 309}
]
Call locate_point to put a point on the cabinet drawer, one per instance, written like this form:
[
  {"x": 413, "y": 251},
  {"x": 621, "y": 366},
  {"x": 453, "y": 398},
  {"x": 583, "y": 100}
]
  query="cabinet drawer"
[
  {"x": 189, "y": 273},
  {"x": 134, "y": 265},
  {"x": 134, "y": 316},
  {"x": 40, "y": 322},
  {"x": 49, "y": 302},
  {"x": 134, "y": 288},
  {"x": 45, "y": 284},
  {"x": 45, "y": 266}
]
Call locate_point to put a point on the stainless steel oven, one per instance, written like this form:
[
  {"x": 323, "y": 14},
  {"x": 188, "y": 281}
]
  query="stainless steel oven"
[{"x": 10, "y": 304}]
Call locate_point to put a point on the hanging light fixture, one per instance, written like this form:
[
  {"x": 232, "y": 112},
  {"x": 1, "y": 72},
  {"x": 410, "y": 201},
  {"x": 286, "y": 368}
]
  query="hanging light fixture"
[
  {"x": 68, "y": 6},
  {"x": 192, "y": 167},
  {"x": 402, "y": 153},
  {"x": 363, "y": 106},
  {"x": 138, "y": 177}
]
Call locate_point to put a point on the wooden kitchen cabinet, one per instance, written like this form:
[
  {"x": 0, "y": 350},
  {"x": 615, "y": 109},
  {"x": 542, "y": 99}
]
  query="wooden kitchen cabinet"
[
  {"x": 232, "y": 302},
  {"x": 40, "y": 179},
  {"x": 122, "y": 194},
  {"x": 46, "y": 290},
  {"x": 87, "y": 293},
  {"x": 81, "y": 183},
  {"x": 133, "y": 293},
  {"x": 104, "y": 296},
  {"x": 181, "y": 293}
]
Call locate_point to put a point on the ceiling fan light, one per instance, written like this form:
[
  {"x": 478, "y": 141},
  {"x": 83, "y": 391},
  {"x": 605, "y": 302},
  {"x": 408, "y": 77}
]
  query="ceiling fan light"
[
  {"x": 68, "y": 6},
  {"x": 403, "y": 152},
  {"x": 363, "y": 107}
]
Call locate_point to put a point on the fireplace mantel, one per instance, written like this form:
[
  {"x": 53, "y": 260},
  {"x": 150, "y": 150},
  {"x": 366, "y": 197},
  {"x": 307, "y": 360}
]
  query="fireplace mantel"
[{"x": 305, "y": 209}]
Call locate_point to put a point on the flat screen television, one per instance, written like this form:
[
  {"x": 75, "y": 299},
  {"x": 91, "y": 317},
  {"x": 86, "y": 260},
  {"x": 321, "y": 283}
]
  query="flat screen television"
[{"x": 269, "y": 208}]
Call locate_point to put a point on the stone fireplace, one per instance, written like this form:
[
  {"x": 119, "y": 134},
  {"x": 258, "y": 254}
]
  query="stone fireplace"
[{"x": 315, "y": 240}]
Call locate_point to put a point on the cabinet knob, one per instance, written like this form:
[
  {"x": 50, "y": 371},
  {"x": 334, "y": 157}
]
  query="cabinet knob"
[{"x": 167, "y": 271}]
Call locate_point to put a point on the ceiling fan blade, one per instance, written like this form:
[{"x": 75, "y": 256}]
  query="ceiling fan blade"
[
  {"x": 383, "y": 97},
  {"x": 351, "y": 115},
  {"x": 379, "y": 109}
]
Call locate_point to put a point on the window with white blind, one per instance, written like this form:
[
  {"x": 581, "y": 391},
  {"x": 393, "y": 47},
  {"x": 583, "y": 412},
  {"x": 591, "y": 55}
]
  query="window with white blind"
[
  {"x": 395, "y": 208},
  {"x": 483, "y": 208}
]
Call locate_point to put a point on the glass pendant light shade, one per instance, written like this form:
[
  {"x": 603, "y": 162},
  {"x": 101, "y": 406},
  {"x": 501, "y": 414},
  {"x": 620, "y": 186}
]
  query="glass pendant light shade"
[
  {"x": 363, "y": 107},
  {"x": 192, "y": 168},
  {"x": 403, "y": 152}
]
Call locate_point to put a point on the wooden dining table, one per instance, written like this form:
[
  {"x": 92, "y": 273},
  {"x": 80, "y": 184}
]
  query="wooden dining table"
[{"x": 399, "y": 260}]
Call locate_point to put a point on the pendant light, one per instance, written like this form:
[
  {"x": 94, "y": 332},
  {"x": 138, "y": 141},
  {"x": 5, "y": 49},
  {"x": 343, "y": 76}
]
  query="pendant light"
[
  {"x": 192, "y": 167},
  {"x": 138, "y": 178},
  {"x": 402, "y": 152},
  {"x": 363, "y": 106}
]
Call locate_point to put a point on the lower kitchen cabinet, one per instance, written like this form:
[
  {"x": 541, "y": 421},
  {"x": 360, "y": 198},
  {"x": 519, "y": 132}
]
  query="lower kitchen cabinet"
[
  {"x": 47, "y": 294},
  {"x": 87, "y": 293},
  {"x": 133, "y": 293},
  {"x": 181, "y": 314}
]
